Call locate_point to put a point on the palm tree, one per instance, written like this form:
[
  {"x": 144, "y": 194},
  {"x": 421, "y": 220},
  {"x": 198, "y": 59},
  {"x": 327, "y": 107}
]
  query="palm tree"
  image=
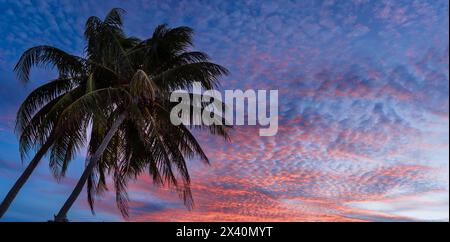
[
  {"x": 41, "y": 110},
  {"x": 121, "y": 90}
]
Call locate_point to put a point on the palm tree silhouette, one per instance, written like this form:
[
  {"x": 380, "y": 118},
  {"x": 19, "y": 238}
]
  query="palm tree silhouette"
[{"x": 118, "y": 95}]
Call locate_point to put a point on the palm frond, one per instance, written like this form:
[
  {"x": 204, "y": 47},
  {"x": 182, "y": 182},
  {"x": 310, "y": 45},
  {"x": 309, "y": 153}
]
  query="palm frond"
[
  {"x": 115, "y": 17},
  {"x": 44, "y": 55},
  {"x": 39, "y": 97},
  {"x": 142, "y": 86},
  {"x": 39, "y": 127},
  {"x": 182, "y": 77},
  {"x": 88, "y": 104}
]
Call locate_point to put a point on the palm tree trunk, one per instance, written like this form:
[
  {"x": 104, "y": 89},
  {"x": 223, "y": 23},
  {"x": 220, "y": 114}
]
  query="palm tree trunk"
[
  {"x": 24, "y": 177},
  {"x": 62, "y": 214}
]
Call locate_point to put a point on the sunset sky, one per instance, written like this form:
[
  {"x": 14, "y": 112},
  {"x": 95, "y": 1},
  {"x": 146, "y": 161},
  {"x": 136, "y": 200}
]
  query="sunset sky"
[{"x": 363, "y": 109}]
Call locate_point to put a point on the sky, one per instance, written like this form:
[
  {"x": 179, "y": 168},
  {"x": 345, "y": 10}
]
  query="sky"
[{"x": 363, "y": 110}]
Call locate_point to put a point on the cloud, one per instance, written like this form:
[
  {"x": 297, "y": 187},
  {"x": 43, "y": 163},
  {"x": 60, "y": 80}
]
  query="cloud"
[{"x": 363, "y": 89}]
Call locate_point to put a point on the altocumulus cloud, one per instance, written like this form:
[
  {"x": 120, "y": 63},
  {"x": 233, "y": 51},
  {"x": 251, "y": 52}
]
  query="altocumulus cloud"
[{"x": 363, "y": 107}]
